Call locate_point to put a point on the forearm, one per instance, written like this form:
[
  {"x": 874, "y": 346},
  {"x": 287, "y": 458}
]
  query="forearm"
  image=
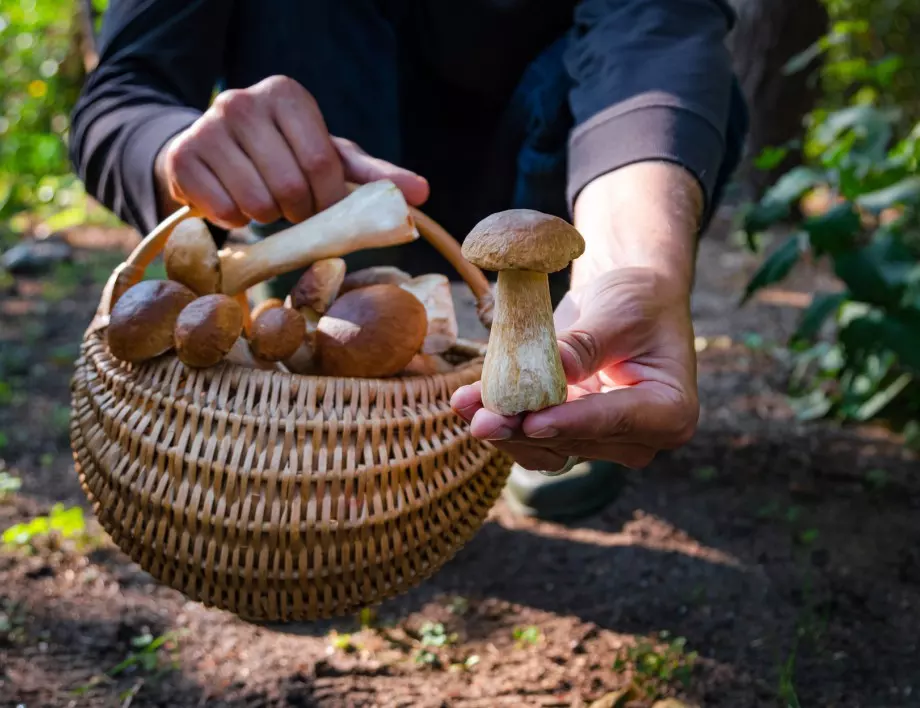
[{"x": 643, "y": 215}]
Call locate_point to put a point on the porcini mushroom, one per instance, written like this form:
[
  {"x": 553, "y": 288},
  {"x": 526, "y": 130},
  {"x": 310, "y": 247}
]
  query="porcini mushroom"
[
  {"x": 241, "y": 355},
  {"x": 522, "y": 370},
  {"x": 142, "y": 321},
  {"x": 277, "y": 334},
  {"x": 374, "y": 275},
  {"x": 191, "y": 257},
  {"x": 266, "y": 304},
  {"x": 375, "y": 215},
  {"x": 434, "y": 292},
  {"x": 319, "y": 285},
  {"x": 207, "y": 329},
  {"x": 372, "y": 332}
]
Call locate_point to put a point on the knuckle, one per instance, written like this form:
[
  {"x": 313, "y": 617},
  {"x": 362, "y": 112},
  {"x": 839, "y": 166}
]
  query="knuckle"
[
  {"x": 284, "y": 87},
  {"x": 180, "y": 156},
  {"x": 320, "y": 162},
  {"x": 234, "y": 103},
  {"x": 585, "y": 345},
  {"x": 290, "y": 189}
]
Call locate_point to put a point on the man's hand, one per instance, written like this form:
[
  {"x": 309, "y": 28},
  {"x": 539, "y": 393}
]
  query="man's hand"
[
  {"x": 625, "y": 332},
  {"x": 264, "y": 153}
]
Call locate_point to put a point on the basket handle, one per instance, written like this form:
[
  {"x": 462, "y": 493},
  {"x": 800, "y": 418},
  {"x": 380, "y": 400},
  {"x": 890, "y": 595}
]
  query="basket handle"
[{"x": 131, "y": 271}]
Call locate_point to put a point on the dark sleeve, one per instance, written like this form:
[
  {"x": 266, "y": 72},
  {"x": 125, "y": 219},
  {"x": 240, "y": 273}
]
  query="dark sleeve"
[
  {"x": 159, "y": 61},
  {"x": 651, "y": 79}
]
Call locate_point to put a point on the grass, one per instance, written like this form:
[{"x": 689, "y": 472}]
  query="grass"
[
  {"x": 656, "y": 667},
  {"x": 527, "y": 636}
]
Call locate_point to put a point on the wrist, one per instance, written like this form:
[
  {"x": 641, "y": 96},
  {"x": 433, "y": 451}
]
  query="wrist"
[{"x": 645, "y": 215}]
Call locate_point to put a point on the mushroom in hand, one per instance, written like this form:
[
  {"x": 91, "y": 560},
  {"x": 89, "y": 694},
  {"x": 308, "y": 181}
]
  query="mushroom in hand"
[
  {"x": 373, "y": 332},
  {"x": 277, "y": 334},
  {"x": 522, "y": 370},
  {"x": 207, "y": 329},
  {"x": 142, "y": 321}
]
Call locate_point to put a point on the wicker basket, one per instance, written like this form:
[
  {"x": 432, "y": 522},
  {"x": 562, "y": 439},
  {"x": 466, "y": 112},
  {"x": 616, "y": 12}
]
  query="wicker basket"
[{"x": 275, "y": 496}]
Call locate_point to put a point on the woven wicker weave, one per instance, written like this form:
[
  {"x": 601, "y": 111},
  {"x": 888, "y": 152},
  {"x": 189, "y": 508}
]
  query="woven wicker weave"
[{"x": 280, "y": 497}]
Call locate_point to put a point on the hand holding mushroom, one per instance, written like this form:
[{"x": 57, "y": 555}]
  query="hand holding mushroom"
[{"x": 616, "y": 383}]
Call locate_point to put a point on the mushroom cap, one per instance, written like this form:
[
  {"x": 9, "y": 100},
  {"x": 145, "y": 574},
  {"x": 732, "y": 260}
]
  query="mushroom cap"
[
  {"x": 277, "y": 333},
  {"x": 374, "y": 275},
  {"x": 523, "y": 239},
  {"x": 191, "y": 257},
  {"x": 265, "y": 305},
  {"x": 206, "y": 330},
  {"x": 319, "y": 285},
  {"x": 371, "y": 332},
  {"x": 142, "y": 321}
]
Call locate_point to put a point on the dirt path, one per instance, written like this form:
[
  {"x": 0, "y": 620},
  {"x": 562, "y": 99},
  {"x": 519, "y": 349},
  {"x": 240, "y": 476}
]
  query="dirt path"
[{"x": 776, "y": 551}]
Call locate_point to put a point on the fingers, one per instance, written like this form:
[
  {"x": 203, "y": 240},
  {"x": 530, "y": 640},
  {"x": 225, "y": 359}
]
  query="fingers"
[
  {"x": 190, "y": 181},
  {"x": 647, "y": 415},
  {"x": 363, "y": 168}
]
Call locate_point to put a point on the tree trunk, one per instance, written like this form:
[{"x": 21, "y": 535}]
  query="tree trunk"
[{"x": 767, "y": 34}]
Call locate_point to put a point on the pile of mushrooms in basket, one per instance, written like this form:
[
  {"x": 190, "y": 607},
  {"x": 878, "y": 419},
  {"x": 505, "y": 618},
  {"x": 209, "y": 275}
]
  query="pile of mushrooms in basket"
[{"x": 377, "y": 322}]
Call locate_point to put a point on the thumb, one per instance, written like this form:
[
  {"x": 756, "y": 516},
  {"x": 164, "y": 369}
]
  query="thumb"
[
  {"x": 595, "y": 341},
  {"x": 363, "y": 168}
]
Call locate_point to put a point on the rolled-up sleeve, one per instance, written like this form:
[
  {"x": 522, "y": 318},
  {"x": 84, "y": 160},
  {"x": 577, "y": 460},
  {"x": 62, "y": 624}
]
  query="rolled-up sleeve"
[
  {"x": 651, "y": 80},
  {"x": 159, "y": 61}
]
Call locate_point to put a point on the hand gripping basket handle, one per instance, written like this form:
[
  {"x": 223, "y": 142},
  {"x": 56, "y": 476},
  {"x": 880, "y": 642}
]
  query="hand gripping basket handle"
[{"x": 131, "y": 271}]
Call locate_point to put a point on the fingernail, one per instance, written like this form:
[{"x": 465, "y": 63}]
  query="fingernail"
[
  {"x": 547, "y": 432},
  {"x": 500, "y": 433}
]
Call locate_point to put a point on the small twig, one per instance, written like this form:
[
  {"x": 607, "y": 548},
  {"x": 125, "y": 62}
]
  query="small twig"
[{"x": 132, "y": 693}]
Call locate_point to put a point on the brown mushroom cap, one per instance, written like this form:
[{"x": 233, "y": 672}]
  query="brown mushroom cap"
[
  {"x": 266, "y": 304},
  {"x": 142, "y": 321},
  {"x": 372, "y": 332},
  {"x": 277, "y": 333},
  {"x": 190, "y": 257},
  {"x": 319, "y": 285},
  {"x": 374, "y": 275},
  {"x": 206, "y": 330},
  {"x": 523, "y": 239}
]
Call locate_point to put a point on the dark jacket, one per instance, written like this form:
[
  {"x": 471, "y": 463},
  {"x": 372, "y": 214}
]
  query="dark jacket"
[{"x": 498, "y": 103}]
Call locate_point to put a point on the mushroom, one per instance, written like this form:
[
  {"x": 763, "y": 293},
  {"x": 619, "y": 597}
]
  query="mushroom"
[
  {"x": 319, "y": 285},
  {"x": 375, "y": 215},
  {"x": 207, "y": 329},
  {"x": 427, "y": 365},
  {"x": 142, "y": 321},
  {"x": 277, "y": 334},
  {"x": 522, "y": 370},
  {"x": 434, "y": 292},
  {"x": 191, "y": 257},
  {"x": 375, "y": 275},
  {"x": 372, "y": 332},
  {"x": 241, "y": 355},
  {"x": 266, "y": 304}
]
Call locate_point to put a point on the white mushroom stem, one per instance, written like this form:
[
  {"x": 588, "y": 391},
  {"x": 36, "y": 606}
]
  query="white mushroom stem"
[
  {"x": 373, "y": 216},
  {"x": 435, "y": 294},
  {"x": 241, "y": 355},
  {"x": 522, "y": 370}
]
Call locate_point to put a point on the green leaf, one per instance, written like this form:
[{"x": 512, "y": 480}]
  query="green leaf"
[
  {"x": 770, "y": 157},
  {"x": 811, "y": 406},
  {"x": 776, "y": 267},
  {"x": 822, "y": 306},
  {"x": 834, "y": 229},
  {"x": 882, "y": 398},
  {"x": 865, "y": 280},
  {"x": 907, "y": 191},
  {"x": 792, "y": 185},
  {"x": 898, "y": 333}
]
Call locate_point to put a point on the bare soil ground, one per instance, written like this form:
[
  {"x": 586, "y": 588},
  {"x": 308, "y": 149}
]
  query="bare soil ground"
[{"x": 774, "y": 550}]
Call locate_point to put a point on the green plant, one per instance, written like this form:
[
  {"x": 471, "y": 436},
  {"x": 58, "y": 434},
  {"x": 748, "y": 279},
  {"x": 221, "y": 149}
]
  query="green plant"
[
  {"x": 9, "y": 484},
  {"x": 67, "y": 523},
  {"x": 432, "y": 637},
  {"x": 147, "y": 656},
  {"x": 656, "y": 667},
  {"x": 853, "y": 203},
  {"x": 527, "y": 635}
]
